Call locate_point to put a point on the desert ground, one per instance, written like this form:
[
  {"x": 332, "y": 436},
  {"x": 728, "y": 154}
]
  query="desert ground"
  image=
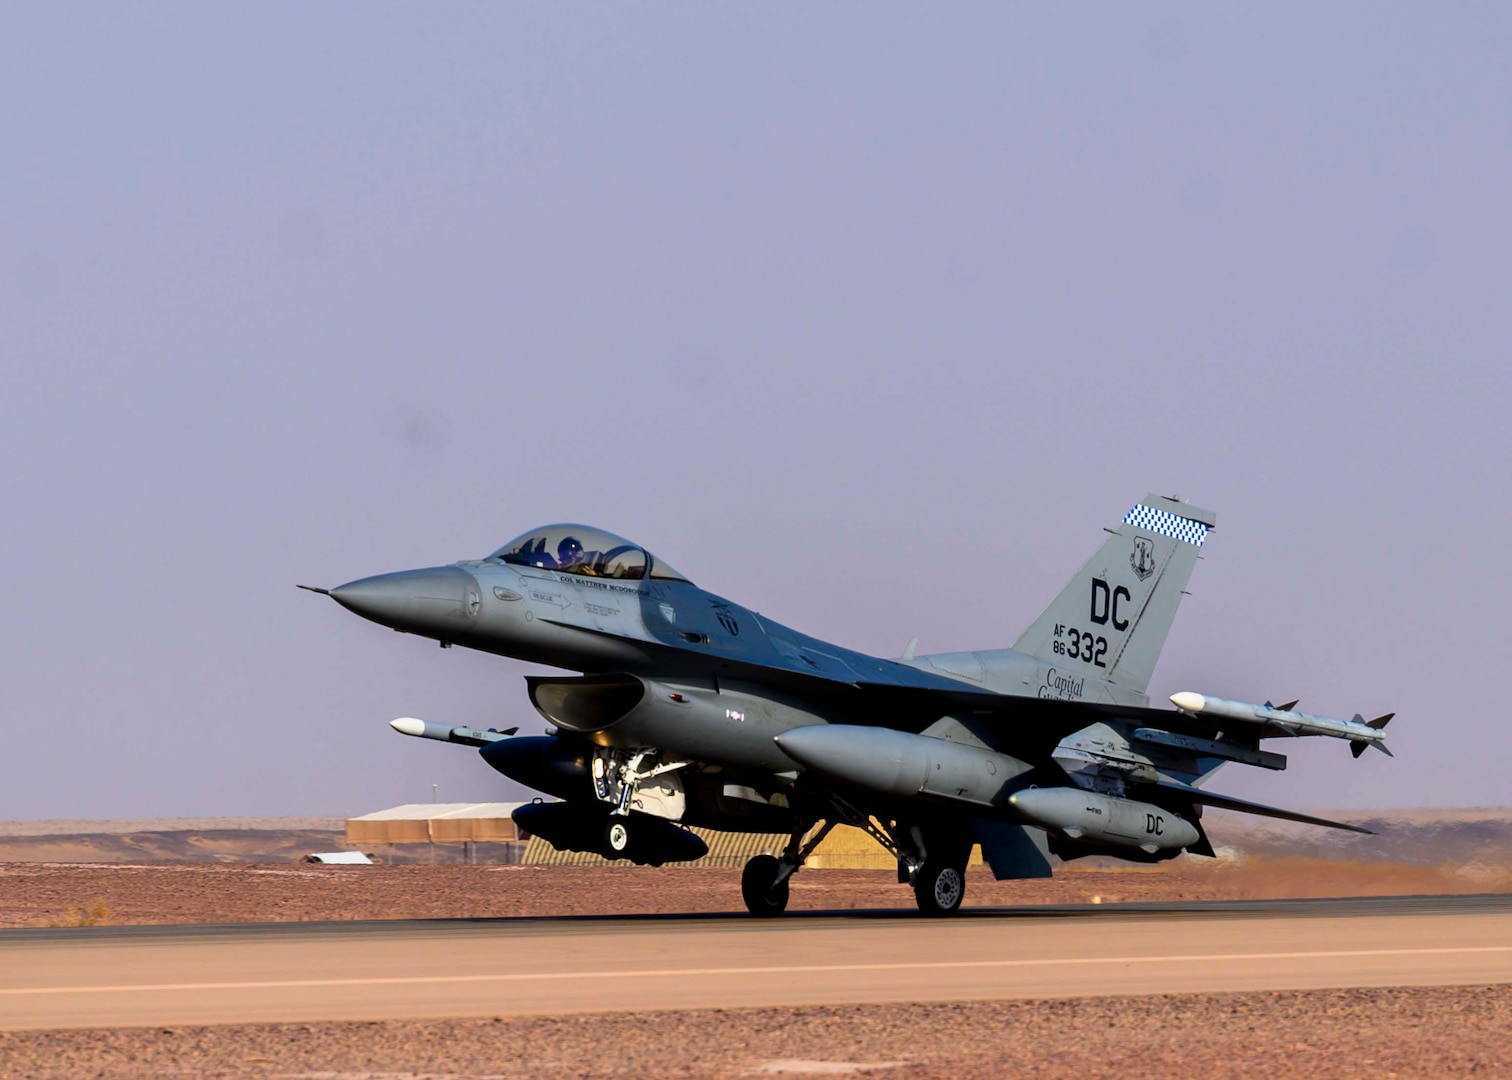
[
  {"x": 48, "y": 894},
  {"x": 1416, "y": 1032},
  {"x": 236, "y": 873}
]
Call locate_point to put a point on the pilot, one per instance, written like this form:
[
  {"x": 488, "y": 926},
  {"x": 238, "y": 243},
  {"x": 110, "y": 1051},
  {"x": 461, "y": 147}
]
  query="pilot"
[{"x": 570, "y": 554}]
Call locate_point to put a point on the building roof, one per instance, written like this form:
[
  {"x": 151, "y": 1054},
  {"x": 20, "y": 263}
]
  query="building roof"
[{"x": 432, "y": 811}]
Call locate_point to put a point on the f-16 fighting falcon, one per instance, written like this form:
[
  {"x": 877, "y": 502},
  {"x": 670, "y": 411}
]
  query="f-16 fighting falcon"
[{"x": 688, "y": 709}]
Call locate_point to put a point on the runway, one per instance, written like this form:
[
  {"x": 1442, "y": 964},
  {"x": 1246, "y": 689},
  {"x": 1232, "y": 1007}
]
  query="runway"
[{"x": 106, "y": 977}]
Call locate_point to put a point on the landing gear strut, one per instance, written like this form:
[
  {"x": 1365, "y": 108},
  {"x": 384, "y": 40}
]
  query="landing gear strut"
[
  {"x": 931, "y": 858},
  {"x": 764, "y": 882}
]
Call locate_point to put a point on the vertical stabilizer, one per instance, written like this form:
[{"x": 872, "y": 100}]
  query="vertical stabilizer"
[{"x": 1112, "y": 620}]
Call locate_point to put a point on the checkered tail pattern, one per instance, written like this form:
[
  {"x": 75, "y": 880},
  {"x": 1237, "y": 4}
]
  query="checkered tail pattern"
[{"x": 1166, "y": 523}]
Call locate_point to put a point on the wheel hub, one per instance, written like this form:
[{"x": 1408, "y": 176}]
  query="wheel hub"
[{"x": 947, "y": 888}]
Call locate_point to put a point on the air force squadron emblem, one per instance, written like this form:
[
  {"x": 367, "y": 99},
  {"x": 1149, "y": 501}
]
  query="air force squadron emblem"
[{"x": 1142, "y": 558}]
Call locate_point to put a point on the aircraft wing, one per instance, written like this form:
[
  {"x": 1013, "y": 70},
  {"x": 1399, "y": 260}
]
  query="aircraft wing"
[
  {"x": 1244, "y": 806},
  {"x": 1030, "y": 723}
]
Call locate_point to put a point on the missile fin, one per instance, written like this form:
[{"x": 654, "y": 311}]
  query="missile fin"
[
  {"x": 1358, "y": 747},
  {"x": 1382, "y": 748},
  {"x": 1380, "y": 722},
  {"x": 1288, "y": 707}
]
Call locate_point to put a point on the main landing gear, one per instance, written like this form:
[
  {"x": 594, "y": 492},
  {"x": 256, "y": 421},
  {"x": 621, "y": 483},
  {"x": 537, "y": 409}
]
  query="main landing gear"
[
  {"x": 939, "y": 887},
  {"x": 764, "y": 886},
  {"x": 932, "y": 860},
  {"x": 764, "y": 881}
]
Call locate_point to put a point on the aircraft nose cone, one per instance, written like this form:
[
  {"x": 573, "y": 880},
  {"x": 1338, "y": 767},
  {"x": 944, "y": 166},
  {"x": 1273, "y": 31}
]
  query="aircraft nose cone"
[{"x": 431, "y": 601}]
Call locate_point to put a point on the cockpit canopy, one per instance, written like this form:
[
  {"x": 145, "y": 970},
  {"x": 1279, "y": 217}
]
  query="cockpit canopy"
[{"x": 583, "y": 550}]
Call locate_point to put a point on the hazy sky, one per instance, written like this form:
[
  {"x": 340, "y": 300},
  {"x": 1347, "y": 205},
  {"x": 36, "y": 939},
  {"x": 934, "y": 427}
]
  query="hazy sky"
[{"x": 868, "y": 316}]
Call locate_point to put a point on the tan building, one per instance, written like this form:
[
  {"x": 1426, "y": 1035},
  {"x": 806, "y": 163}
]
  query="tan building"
[
  {"x": 435, "y": 823},
  {"x": 845, "y": 848}
]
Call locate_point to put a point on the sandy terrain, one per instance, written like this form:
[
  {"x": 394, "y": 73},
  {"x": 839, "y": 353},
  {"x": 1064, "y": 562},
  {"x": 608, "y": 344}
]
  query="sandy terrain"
[
  {"x": 40, "y": 895},
  {"x": 117, "y": 826},
  {"x": 192, "y": 872},
  {"x": 1477, "y": 839},
  {"x": 1431, "y": 1032}
]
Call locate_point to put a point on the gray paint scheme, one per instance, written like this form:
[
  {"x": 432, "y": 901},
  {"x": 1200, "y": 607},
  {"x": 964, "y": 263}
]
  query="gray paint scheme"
[{"x": 744, "y": 722}]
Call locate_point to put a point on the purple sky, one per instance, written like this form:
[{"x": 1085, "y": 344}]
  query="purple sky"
[{"x": 867, "y": 316}]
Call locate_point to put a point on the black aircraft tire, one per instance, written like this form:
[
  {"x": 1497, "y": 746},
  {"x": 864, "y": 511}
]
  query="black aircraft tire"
[
  {"x": 762, "y": 898},
  {"x": 939, "y": 889}
]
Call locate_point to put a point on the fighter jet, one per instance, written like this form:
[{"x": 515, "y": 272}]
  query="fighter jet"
[{"x": 688, "y": 709}]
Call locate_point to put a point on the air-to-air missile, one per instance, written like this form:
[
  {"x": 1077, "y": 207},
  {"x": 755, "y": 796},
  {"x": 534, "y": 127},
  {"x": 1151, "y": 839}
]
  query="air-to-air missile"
[
  {"x": 537, "y": 761},
  {"x": 466, "y": 736},
  {"x": 1359, "y": 731}
]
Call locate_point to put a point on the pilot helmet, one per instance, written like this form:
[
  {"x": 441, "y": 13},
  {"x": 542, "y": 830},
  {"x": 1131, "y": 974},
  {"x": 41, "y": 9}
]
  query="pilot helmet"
[{"x": 569, "y": 551}]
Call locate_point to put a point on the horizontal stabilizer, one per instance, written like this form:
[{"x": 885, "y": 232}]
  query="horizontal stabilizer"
[{"x": 1244, "y": 806}]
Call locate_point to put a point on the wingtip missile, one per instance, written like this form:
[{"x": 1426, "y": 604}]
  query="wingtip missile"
[
  {"x": 1283, "y": 720},
  {"x": 409, "y": 725},
  {"x": 1187, "y": 701}
]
